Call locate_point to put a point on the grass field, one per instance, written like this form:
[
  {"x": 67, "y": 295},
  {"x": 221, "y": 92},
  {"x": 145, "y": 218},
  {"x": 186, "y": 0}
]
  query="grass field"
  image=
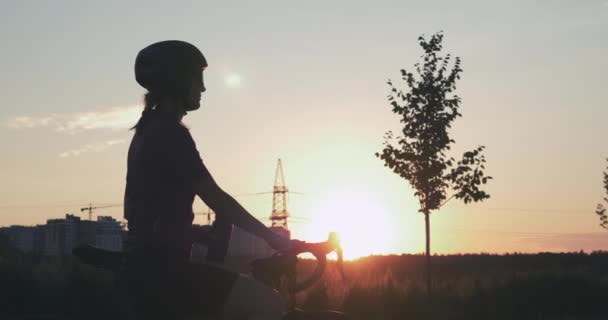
[
  {"x": 517, "y": 286},
  {"x": 541, "y": 286}
]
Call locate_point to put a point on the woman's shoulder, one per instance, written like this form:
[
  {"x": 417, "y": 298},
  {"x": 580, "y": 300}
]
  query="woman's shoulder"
[
  {"x": 163, "y": 126},
  {"x": 165, "y": 134}
]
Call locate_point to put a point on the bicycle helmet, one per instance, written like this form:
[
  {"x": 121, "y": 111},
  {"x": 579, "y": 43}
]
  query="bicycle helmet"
[{"x": 168, "y": 67}]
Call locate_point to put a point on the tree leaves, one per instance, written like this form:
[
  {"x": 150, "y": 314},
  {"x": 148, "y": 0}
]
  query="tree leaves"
[
  {"x": 468, "y": 176},
  {"x": 601, "y": 210},
  {"x": 427, "y": 109}
]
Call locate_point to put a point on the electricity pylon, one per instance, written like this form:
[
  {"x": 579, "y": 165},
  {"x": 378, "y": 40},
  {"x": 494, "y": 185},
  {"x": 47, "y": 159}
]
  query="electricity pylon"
[{"x": 279, "y": 214}]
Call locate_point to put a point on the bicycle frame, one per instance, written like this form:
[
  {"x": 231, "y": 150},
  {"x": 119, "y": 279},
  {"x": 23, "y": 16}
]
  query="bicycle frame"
[{"x": 277, "y": 271}]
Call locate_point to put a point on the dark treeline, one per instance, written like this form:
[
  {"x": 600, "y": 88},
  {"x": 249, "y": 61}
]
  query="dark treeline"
[
  {"x": 476, "y": 286},
  {"x": 481, "y": 265},
  {"x": 470, "y": 286}
]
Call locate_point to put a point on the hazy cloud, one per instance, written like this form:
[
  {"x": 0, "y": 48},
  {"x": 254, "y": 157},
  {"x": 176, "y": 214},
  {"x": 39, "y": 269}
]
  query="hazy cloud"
[
  {"x": 96, "y": 147},
  {"x": 111, "y": 118},
  {"x": 30, "y": 122}
]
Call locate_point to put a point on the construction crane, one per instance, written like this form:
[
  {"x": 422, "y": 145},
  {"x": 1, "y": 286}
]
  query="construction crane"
[{"x": 90, "y": 208}]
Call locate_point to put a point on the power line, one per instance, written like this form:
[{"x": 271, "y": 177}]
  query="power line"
[
  {"x": 65, "y": 203},
  {"x": 537, "y": 211},
  {"x": 520, "y": 232},
  {"x": 534, "y": 211},
  {"x": 544, "y": 210},
  {"x": 38, "y": 206},
  {"x": 263, "y": 193}
]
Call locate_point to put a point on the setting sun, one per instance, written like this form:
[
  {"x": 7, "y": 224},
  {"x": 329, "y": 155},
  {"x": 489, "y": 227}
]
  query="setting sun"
[{"x": 358, "y": 216}]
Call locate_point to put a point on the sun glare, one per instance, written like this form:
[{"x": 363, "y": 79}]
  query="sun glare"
[{"x": 361, "y": 220}]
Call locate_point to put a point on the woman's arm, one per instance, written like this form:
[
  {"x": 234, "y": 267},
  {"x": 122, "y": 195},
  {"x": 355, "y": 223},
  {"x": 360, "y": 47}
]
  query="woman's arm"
[
  {"x": 185, "y": 164},
  {"x": 222, "y": 203}
]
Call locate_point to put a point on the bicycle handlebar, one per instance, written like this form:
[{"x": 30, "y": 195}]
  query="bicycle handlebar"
[{"x": 267, "y": 269}]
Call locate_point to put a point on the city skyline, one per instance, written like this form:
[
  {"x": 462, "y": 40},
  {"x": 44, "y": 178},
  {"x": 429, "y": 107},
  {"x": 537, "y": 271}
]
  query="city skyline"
[{"x": 59, "y": 236}]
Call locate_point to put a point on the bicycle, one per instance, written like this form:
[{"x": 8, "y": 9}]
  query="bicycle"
[{"x": 277, "y": 271}]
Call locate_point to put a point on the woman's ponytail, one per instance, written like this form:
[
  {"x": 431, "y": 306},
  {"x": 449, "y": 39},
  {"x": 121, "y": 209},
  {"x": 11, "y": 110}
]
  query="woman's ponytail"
[{"x": 150, "y": 102}]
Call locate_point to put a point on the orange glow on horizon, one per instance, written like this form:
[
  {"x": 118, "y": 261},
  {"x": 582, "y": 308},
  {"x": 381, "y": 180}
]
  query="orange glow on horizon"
[{"x": 361, "y": 220}]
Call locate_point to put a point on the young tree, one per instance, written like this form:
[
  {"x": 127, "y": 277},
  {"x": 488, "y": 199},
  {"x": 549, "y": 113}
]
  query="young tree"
[
  {"x": 419, "y": 155},
  {"x": 601, "y": 210}
]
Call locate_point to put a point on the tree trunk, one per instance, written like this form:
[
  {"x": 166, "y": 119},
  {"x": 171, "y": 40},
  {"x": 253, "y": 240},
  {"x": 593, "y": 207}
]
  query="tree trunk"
[{"x": 427, "y": 225}]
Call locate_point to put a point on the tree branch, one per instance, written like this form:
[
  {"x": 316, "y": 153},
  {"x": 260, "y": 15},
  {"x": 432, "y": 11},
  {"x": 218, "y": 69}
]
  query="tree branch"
[{"x": 446, "y": 201}]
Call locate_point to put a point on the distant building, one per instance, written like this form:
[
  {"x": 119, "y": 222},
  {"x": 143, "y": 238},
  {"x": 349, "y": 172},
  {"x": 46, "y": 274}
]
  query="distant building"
[
  {"x": 242, "y": 243},
  {"x": 21, "y": 237},
  {"x": 87, "y": 232},
  {"x": 39, "y": 237},
  {"x": 245, "y": 244},
  {"x": 109, "y": 234},
  {"x": 61, "y": 236}
]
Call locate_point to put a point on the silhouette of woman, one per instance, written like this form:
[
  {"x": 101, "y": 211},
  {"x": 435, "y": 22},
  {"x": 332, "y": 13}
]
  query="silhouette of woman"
[{"x": 164, "y": 174}]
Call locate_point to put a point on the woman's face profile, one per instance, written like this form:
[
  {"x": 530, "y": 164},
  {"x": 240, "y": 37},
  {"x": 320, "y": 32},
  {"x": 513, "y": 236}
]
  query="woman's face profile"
[{"x": 196, "y": 87}]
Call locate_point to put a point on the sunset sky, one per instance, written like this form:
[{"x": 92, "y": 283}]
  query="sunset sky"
[{"x": 305, "y": 81}]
